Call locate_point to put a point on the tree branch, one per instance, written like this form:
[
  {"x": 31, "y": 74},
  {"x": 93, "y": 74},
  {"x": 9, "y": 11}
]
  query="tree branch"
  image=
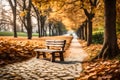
[{"x": 11, "y": 4}]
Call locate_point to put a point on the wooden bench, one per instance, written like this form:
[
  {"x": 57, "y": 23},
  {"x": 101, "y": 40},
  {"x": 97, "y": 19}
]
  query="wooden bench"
[{"x": 53, "y": 47}]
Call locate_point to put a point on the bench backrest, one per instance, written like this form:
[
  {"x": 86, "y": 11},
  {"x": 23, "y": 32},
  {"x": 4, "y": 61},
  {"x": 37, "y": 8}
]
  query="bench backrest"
[{"x": 56, "y": 43}]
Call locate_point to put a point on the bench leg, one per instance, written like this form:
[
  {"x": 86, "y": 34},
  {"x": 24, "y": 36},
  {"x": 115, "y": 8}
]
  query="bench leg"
[
  {"x": 38, "y": 54},
  {"x": 53, "y": 57},
  {"x": 44, "y": 55},
  {"x": 61, "y": 56}
]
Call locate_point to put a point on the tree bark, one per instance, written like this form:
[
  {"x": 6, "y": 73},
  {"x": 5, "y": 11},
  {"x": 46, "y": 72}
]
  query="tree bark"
[
  {"x": 110, "y": 47},
  {"x": 39, "y": 28},
  {"x": 38, "y": 20},
  {"x": 23, "y": 18},
  {"x": 82, "y": 32},
  {"x": 42, "y": 20},
  {"x": 13, "y": 5},
  {"x": 29, "y": 24},
  {"x": 14, "y": 18},
  {"x": 59, "y": 30},
  {"x": 89, "y": 32},
  {"x": 85, "y": 30},
  {"x": 90, "y": 15},
  {"x": 50, "y": 28}
]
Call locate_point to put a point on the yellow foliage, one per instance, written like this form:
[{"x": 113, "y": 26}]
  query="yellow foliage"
[{"x": 23, "y": 13}]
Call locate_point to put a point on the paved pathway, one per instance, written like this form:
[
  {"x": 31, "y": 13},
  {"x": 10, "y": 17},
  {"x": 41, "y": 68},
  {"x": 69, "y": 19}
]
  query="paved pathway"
[
  {"x": 36, "y": 69},
  {"x": 77, "y": 54}
]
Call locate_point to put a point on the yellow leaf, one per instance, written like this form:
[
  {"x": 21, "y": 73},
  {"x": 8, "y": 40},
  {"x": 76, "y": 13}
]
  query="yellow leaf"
[{"x": 23, "y": 13}]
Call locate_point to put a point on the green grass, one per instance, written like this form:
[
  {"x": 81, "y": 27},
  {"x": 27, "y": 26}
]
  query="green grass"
[
  {"x": 35, "y": 34},
  {"x": 23, "y": 34},
  {"x": 97, "y": 35},
  {"x": 6, "y": 34}
]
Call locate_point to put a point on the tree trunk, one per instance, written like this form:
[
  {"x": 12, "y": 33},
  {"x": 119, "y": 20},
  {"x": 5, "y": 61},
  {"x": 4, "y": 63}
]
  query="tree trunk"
[
  {"x": 23, "y": 19},
  {"x": 29, "y": 24},
  {"x": 38, "y": 23},
  {"x": 85, "y": 30},
  {"x": 110, "y": 47},
  {"x": 89, "y": 32},
  {"x": 90, "y": 15},
  {"x": 59, "y": 30},
  {"x": 29, "y": 33},
  {"x": 13, "y": 5},
  {"x": 14, "y": 18},
  {"x": 42, "y": 19},
  {"x": 38, "y": 20},
  {"x": 22, "y": 25},
  {"x": 50, "y": 28},
  {"x": 77, "y": 32},
  {"x": 82, "y": 32}
]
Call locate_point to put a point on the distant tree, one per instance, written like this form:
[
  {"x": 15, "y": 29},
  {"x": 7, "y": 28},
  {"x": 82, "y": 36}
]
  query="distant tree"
[
  {"x": 60, "y": 28},
  {"x": 26, "y": 17},
  {"x": 23, "y": 18},
  {"x": 90, "y": 13},
  {"x": 37, "y": 12},
  {"x": 13, "y": 5},
  {"x": 4, "y": 19}
]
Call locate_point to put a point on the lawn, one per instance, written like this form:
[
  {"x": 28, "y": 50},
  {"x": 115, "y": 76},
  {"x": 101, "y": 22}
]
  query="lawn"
[{"x": 23, "y": 34}]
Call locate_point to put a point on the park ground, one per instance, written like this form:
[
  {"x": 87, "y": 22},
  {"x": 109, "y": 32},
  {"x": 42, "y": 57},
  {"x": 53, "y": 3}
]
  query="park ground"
[{"x": 20, "y": 49}]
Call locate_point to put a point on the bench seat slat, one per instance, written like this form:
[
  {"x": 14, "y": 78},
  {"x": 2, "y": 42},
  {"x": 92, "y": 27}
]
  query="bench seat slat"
[
  {"x": 48, "y": 50},
  {"x": 54, "y": 45}
]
